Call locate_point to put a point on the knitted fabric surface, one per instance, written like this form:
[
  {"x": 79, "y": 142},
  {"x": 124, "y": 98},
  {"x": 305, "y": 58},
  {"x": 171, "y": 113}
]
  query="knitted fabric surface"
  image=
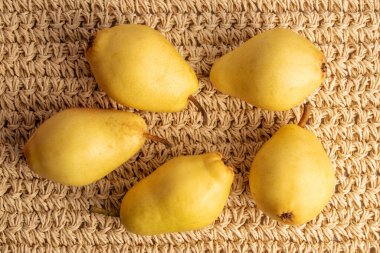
[{"x": 43, "y": 70}]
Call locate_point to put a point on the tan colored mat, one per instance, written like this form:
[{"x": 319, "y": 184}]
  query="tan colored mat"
[{"x": 43, "y": 70}]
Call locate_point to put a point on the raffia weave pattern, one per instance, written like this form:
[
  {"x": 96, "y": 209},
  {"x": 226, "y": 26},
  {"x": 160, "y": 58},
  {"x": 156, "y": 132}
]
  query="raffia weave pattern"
[{"x": 43, "y": 70}]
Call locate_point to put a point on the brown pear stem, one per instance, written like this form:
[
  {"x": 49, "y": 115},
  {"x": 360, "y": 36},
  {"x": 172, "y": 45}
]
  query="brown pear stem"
[
  {"x": 158, "y": 139},
  {"x": 200, "y": 109},
  {"x": 305, "y": 116},
  {"x": 324, "y": 68},
  {"x": 91, "y": 40},
  {"x": 99, "y": 210}
]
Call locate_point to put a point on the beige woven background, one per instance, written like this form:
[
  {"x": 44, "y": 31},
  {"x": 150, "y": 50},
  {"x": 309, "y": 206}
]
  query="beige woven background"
[{"x": 43, "y": 70}]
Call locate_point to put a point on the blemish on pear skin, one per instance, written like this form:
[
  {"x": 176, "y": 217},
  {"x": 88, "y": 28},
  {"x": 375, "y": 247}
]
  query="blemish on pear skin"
[{"x": 288, "y": 216}]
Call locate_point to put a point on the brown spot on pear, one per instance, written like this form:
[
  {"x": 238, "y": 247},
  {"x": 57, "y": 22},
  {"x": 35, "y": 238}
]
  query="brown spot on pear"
[{"x": 286, "y": 217}]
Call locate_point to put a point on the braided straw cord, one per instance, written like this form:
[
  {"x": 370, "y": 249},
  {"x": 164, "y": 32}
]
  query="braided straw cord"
[{"x": 43, "y": 71}]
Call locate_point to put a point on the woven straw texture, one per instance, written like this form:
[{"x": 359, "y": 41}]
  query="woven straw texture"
[{"x": 43, "y": 70}]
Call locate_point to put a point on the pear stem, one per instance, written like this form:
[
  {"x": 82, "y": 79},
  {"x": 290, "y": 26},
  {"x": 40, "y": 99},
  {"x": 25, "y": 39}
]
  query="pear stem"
[
  {"x": 158, "y": 139},
  {"x": 200, "y": 109},
  {"x": 99, "y": 210},
  {"x": 91, "y": 40},
  {"x": 324, "y": 67},
  {"x": 305, "y": 116}
]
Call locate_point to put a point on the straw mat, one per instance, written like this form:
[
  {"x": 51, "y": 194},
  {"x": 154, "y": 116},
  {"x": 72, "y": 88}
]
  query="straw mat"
[{"x": 43, "y": 70}]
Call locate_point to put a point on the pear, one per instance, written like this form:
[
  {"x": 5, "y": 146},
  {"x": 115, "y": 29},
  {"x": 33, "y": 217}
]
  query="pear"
[
  {"x": 79, "y": 146},
  {"x": 185, "y": 193},
  {"x": 138, "y": 67},
  {"x": 292, "y": 178},
  {"x": 275, "y": 70}
]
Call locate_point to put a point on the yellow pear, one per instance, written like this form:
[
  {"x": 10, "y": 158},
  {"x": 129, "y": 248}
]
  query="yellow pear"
[
  {"x": 138, "y": 67},
  {"x": 275, "y": 70},
  {"x": 292, "y": 178},
  {"x": 185, "y": 193},
  {"x": 80, "y": 146}
]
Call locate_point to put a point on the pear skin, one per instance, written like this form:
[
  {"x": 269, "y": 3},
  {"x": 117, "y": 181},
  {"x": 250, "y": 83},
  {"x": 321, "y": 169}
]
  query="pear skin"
[
  {"x": 292, "y": 178},
  {"x": 79, "y": 146},
  {"x": 138, "y": 67},
  {"x": 275, "y": 70},
  {"x": 185, "y": 193}
]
